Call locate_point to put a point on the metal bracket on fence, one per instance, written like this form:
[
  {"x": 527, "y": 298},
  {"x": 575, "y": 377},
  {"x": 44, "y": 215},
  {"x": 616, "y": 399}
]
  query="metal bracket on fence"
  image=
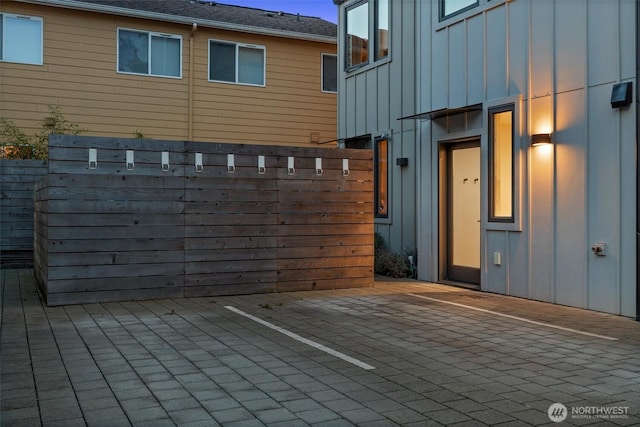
[
  {"x": 93, "y": 158},
  {"x": 199, "y": 166},
  {"x": 261, "y": 165},
  {"x": 165, "y": 161},
  {"x": 345, "y": 167},
  {"x": 291, "y": 166},
  {"x": 231, "y": 163},
  {"x": 318, "y": 166},
  {"x": 130, "y": 163}
]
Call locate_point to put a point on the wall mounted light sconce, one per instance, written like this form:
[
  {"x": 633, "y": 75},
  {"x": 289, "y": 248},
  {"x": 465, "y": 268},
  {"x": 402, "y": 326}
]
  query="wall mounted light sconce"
[
  {"x": 93, "y": 158},
  {"x": 345, "y": 167},
  {"x": 621, "y": 94},
  {"x": 130, "y": 163},
  {"x": 165, "y": 161},
  {"x": 402, "y": 161},
  {"x": 199, "y": 165},
  {"x": 231, "y": 163},
  {"x": 261, "y": 165},
  {"x": 540, "y": 139},
  {"x": 291, "y": 169},
  {"x": 318, "y": 166}
]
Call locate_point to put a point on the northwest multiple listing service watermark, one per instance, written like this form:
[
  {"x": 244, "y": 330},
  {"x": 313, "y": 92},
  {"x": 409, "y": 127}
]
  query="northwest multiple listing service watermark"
[{"x": 559, "y": 412}]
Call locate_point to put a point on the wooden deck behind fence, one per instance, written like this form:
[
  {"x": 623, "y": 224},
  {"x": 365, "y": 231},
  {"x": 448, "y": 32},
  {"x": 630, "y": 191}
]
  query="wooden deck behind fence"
[
  {"x": 110, "y": 233},
  {"x": 17, "y": 181}
]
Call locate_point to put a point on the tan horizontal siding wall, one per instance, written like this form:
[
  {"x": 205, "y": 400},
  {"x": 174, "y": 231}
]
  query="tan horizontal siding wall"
[
  {"x": 79, "y": 75},
  {"x": 285, "y": 111}
]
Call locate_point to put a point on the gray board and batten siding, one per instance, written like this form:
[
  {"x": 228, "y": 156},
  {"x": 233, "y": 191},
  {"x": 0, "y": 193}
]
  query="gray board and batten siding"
[
  {"x": 109, "y": 233},
  {"x": 17, "y": 181},
  {"x": 557, "y": 61}
]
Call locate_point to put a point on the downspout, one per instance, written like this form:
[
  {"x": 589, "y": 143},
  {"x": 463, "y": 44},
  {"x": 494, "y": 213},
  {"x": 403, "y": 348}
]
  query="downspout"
[
  {"x": 194, "y": 28},
  {"x": 637, "y": 169}
]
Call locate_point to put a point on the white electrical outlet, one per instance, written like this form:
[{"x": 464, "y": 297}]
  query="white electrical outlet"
[{"x": 497, "y": 258}]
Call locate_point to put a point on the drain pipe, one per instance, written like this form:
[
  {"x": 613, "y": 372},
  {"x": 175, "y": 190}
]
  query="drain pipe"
[
  {"x": 637, "y": 169},
  {"x": 194, "y": 28}
]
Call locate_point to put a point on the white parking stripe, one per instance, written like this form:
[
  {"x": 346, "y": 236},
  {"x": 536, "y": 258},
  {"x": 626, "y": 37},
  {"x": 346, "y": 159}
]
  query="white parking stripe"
[
  {"x": 303, "y": 340},
  {"x": 548, "y": 325}
]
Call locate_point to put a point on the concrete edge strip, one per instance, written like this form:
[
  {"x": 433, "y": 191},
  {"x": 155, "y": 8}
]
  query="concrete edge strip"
[
  {"x": 548, "y": 325},
  {"x": 303, "y": 340}
]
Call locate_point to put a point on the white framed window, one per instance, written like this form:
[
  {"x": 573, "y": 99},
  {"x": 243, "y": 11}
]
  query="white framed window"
[
  {"x": 21, "y": 39},
  {"x": 329, "y": 73},
  {"x": 367, "y": 32},
  {"x": 240, "y": 63},
  {"x": 149, "y": 53}
]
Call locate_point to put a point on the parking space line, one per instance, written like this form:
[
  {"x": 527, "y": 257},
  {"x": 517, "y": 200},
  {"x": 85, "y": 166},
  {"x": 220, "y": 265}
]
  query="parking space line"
[
  {"x": 303, "y": 340},
  {"x": 548, "y": 325}
]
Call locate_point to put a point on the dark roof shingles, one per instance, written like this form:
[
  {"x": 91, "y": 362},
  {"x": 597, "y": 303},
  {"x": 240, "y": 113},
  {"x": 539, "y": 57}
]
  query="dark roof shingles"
[{"x": 212, "y": 11}]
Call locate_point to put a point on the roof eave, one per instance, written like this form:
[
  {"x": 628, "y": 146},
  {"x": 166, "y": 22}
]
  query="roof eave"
[{"x": 99, "y": 8}]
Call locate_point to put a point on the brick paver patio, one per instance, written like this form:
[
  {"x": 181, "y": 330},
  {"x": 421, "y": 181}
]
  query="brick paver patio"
[{"x": 304, "y": 359}]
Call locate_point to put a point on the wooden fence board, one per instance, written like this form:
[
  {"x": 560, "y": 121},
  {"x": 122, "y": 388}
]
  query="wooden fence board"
[
  {"x": 18, "y": 179},
  {"x": 111, "y": 234}
]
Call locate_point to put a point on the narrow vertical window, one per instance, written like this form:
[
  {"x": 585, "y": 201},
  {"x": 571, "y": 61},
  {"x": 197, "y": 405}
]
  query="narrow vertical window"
[
  {"x": 329, "y": 73},
  {"x": 382, "y": 29},
  {"x": 501, "y": 175},
  {"x": 381, "y": 156},
  {"x": 357, "y": 35},
  {"x": 21, "y": 39}
]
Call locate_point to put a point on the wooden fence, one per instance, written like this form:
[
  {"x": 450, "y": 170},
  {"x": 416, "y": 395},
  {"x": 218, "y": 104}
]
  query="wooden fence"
[
  {"x": 115, "y": 231},
  {"x": 17, "y": 181}
]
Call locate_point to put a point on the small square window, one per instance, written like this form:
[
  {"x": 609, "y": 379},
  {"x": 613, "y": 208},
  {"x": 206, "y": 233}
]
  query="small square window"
[
  {"x": 236, "y": 63},
  {"x": 21, "y": 39},
  {"x": 153, "y": 54}
]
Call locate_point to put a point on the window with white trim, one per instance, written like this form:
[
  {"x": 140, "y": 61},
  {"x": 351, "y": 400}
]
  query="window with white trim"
[
  {"x": 364, "y": 19},
  {"x": 240, "y": 63},
  {"x": 149, "y": 53},
  {"x": 21, "y": 39},
  {"x": 329, "y": 73}
]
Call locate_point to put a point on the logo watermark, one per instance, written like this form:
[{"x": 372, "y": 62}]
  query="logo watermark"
[{"x": 558, "y": 412}]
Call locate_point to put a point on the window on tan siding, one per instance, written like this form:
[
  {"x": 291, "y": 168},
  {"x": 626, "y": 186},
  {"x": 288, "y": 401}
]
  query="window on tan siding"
[
  {"x": 329, "y": 73},
  {"x": 153, "y": 54},
  {"x": 501, "y": 171},
  {"x": 236, "y": 63},
  {"x": 21, "y": 39}
]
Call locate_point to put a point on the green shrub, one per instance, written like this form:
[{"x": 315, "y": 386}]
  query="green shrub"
[
  {"x": 18, "y": 145},
  {"x": 392, "y": 264}
]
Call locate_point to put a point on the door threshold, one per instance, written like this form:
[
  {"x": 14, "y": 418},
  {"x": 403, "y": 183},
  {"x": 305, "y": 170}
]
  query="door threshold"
[{"x": 471, "y": 286}]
